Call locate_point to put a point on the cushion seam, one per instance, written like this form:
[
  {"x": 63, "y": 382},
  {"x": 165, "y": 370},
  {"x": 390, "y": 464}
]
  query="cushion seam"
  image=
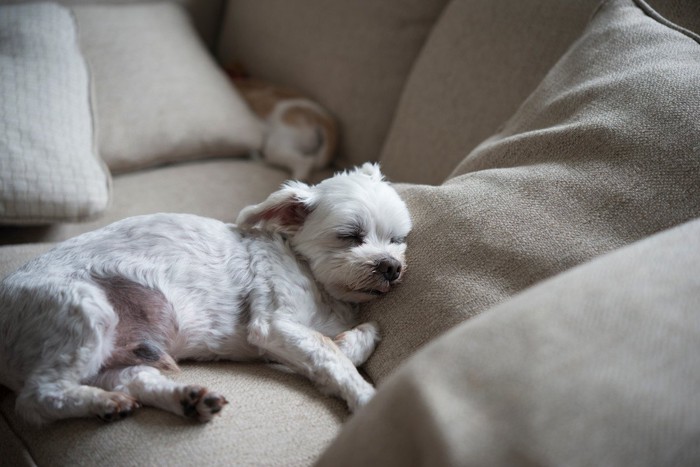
[
  {"x": 649, "y": 10},
  {"x": 19, "y": 439}
]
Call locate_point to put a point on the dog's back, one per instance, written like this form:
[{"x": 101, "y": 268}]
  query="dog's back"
[{"x": 98, "y": 301}]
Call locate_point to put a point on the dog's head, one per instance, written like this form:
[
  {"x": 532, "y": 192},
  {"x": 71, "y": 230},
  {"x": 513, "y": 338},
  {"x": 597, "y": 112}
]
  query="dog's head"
[{"x": 351, "y": 229}]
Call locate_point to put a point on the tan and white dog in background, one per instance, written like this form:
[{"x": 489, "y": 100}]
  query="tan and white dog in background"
[
  {"x": 300, "y": 135},
  {"x": 86, "y": 328}
]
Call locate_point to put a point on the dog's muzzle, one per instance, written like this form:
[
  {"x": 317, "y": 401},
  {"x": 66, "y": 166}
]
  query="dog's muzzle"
[
  {"x": 389, "y": 268},
  {"x": 385, "y": 274}
]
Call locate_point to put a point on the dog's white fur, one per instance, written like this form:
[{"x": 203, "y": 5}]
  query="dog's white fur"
[{"x": 85, "y": 328}]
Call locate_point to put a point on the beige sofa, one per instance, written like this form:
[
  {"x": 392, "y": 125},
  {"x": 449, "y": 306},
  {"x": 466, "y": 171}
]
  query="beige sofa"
[{"x": 549, "y": 153}]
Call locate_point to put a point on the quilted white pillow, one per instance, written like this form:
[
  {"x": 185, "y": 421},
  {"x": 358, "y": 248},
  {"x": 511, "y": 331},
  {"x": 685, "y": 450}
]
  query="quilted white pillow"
[{"x": 49, "y": 170}]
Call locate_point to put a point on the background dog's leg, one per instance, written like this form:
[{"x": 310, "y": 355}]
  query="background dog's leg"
[
  {"x": 358, "y": 343},
  {"x": 150, "y": 387},
  {"x": 312, "y": 354}
]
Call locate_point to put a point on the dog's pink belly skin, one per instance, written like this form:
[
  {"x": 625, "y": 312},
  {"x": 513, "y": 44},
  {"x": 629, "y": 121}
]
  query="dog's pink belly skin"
[
  {"x": 146, "y": 325},
  {"x": 149, "y": 331}
]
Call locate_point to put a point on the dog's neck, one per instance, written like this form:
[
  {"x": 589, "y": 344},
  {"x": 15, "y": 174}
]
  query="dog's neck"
[
  {"x": 328, "y": 298},
  {"x": 273, "y": 260}
]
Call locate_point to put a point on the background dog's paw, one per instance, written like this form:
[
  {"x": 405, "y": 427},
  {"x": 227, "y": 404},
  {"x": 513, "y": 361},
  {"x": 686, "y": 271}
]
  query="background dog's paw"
[
  {"x": 200, "y": 403},
  {"x": 116, "y": 406}
]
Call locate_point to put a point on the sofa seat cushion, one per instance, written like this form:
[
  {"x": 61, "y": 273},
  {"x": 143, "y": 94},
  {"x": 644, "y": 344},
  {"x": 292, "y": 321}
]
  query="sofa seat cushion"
[
  {"x": 49, "y": 169},
  {"x": 603, "y": 153},
  {"x": 273, "y": 418},
  {"x": 212, "y": 188},
  {"x": 160, "y": 97}
]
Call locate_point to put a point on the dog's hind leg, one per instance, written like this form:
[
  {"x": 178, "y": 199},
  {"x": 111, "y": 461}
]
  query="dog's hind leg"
[
  {"x": 43, "y": 402},
  {"x": 150, "y": 387},
  {"x": 56, "y": 388},
  {"x": 59, "y": 349}
]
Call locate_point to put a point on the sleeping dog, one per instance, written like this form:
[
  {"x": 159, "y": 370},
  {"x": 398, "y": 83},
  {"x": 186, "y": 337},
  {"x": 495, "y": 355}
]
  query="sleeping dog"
[{"x": 86, "y": 328}]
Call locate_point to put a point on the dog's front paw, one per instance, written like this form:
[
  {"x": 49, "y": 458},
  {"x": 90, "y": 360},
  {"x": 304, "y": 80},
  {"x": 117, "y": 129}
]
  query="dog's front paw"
[
  {"x": 361, "y": 399},
  {"x": 200, "y": 403},
  {"x": 371, "y": 331},
  {"x": 359, "y": 343},
  {"x": 116, "y": 406}
]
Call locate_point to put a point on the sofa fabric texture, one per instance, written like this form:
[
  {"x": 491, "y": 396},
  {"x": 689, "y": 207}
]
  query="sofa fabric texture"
[
  {"x": 482, "y": 59},
  {"x": 601, "y": 154},
  {"x": 682, "y": 15},
  {"x": 164, "y": 99},
  {"x": 49, "y": 170},
  {"x": 594, "y": 367}
]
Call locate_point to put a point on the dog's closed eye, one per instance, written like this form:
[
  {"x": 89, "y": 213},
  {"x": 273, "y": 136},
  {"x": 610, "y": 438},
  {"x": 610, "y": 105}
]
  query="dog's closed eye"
[
  {"x": 398, "y": 240},
  {"x": 351, "y": 235}
]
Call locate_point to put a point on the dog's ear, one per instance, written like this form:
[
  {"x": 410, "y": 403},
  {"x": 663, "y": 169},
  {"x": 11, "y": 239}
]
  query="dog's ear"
[
  {"x": 372, "y": 169},
  {"x": 284, "y": 211}
]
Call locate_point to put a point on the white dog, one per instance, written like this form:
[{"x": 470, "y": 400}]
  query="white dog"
[{"x": 86, "y": 328}]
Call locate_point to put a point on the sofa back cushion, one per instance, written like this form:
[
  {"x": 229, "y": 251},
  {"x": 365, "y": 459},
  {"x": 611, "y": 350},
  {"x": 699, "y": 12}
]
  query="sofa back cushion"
[
  {"x": 206, "y": 16},
  {"x": 160, "y": 96},
  {"x": 604, "y": 152},
  {"x": 351, "y": 56},
  {"x": 678, "y": 14},
  {"x": 480, "y": 62}
]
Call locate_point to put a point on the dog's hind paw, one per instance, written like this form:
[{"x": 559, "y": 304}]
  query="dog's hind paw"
[
  {"x": 201, "y": 404},
  {"x": 116, "y": 406}
]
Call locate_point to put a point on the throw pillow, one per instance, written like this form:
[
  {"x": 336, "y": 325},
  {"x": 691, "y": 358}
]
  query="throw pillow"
[
  {"x": 603, "y": 153},
  {"x": 49, "y": 170},
  {"x": 594, "y": 367}
]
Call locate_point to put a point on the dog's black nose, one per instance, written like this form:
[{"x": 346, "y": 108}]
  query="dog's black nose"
[{"x": 390, "y": 268}]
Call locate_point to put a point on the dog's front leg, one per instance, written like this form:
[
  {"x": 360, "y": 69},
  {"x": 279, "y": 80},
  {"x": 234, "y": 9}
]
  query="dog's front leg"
[
  {"x": 312, "y": 354},
  {"x": 359, "y": 343}
]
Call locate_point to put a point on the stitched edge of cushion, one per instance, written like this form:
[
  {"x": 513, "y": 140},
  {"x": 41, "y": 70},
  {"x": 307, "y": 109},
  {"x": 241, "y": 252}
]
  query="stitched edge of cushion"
[
  {"x": 651, "y": 12},
  {"x": 92, "y": 102}
]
